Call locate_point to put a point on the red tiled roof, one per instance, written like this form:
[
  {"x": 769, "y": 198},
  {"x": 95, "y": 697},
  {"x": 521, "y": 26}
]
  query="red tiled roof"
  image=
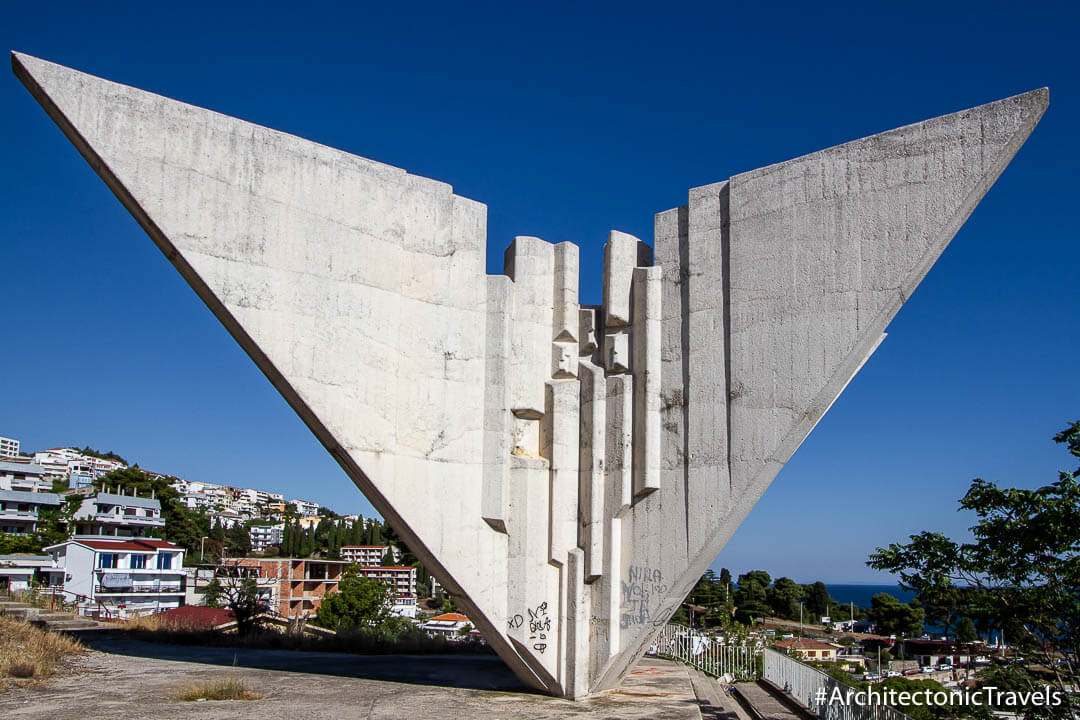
[
  {"x": 451, "y": 617},
  {"x": 142, "y": 544},
  {"x": 196, "y": 617},
  {"x": 805, "y": 644}
]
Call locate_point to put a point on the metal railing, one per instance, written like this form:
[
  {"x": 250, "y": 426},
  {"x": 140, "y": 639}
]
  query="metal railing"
[
  {"x": 678, "y": 642},
  {"x": 814, "y": 689}
]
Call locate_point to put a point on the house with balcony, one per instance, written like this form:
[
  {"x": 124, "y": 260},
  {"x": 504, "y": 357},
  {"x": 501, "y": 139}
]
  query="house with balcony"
[
  {"x": 121, "y": 577},
  {"x": 27, "y": 476},
  {"x": 263, "y": 536},
  {"x": 107, "y": 514},
  {"x": 19, "y": 510},
  {"x": 19, "y": 572}
]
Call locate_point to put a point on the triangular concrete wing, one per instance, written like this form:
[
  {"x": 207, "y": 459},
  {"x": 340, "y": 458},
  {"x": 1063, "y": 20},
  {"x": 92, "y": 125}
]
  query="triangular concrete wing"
[
  {"x": 357, "y": 288},
  {"x": 824, "y": 250}
]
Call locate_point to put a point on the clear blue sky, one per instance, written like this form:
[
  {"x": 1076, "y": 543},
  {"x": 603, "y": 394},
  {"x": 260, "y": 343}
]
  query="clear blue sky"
[{"x": 567, "y": 120}]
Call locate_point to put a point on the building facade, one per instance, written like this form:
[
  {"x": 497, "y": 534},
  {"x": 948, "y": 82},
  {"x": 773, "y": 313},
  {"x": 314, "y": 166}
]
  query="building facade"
[
  {"x": 121, "y": 578},
  {"x": 19, "y": 509},
  {"x": 23, "y": 476},
  {"x": 364, "y": 554},
  {"x": 263, "y": 536},
  {"x": 9, "y": 447},
  {"x": 110, "y": 515}
]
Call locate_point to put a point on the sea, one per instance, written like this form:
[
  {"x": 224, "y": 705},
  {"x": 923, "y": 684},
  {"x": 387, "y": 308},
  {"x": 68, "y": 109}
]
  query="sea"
[{"x": 861, "y": 594}]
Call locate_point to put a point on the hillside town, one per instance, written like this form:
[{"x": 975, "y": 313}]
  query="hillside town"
[{"x": 117, "y": 541}]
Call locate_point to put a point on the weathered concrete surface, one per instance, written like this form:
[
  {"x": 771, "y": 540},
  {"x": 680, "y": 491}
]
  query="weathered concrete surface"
[
  {"x": 132, "y": 679},
  {"x": 567, "y": 472}
]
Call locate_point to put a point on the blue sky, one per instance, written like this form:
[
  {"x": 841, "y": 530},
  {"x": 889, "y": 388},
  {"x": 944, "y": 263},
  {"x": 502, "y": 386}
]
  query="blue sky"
[{"x": 567, "y": 121}]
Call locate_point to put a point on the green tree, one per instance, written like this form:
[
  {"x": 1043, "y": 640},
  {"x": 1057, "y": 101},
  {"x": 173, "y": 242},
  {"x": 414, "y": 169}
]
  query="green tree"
[
  {"x": 232, "y": 588},
  {"x": 238, "y": 540},
  {"x": 818, "y": 601},
  {"x": 783, "y": 598},
  {"x": 1021, "y": 572},
  {"x": 965, "y": 633},
  {"x": 892, "y": 617},
  {"x": 359, "y": 603}
]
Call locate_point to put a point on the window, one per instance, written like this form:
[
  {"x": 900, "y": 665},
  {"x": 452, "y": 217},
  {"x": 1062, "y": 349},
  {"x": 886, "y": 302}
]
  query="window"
[
  {"x": 164, "y": 561},
  {"x": 138, "y": 562},
  {"x": 811, "y": 653},
  {"x": 107, "y": 560}
]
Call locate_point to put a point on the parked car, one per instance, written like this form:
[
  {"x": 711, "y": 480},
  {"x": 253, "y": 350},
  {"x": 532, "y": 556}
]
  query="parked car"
[
  {"x": 892, "y": 673},
  {"x": 926, "y": 669},
  {"x": 870, "y": 677},
  {"x": 912, "y": 671}
]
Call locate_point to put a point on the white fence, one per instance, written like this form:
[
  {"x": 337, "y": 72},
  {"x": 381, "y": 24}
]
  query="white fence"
[
  {"x": 736, "y": 662},
  {"x": 805, "y": 684}
]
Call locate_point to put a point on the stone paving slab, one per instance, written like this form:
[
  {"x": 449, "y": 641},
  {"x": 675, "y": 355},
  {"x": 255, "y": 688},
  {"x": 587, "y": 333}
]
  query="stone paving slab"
[{"x": 127, "y": 679}]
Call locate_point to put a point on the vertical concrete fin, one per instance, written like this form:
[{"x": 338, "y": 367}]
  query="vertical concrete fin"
[
  {"x": 565, "y": 323},
  {"x": 619, "y": 453},
  {"x": 621, "y": 253},
  {"x": 591, "y": 468},
  {"x": 497, "y": 418},
  {"x": 815, "y": 283},
  {"x": 648, "y": 291},
  {"x": 530, "y": 263},
  {"x": 560, "y": 445},
  {"x": 576, "y": 663}
]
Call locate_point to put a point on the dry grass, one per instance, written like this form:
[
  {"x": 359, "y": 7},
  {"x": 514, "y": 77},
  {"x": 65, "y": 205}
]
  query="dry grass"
[
  {"x": 224, "y": 688},
  {"x": 30, "y": 654}
]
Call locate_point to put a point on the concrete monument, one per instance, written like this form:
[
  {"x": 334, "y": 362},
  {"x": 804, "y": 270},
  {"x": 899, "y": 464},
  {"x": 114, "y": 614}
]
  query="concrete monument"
[{"x": 567, "y": 471}]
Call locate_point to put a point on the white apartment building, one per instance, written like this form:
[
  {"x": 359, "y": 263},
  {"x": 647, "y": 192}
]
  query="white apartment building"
[
  {"x": 110, "y": 515},
  {"x": 400, "y": 578},
  {"x": 263, "y": 536},
  {"x": 9, "y": 447},
  {"x": 305, "y": 507},
  {"x": 26, "y": 476},
  {"x": 19, "y": 509},
  {"x": 78, "y": 469},
  {"x": 365, "y": 554},
  {"x": 121, "y": 578}
]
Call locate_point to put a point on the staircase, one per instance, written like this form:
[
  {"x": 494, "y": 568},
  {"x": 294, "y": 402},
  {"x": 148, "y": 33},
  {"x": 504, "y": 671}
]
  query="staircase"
[{"x": 55, "y": 620}]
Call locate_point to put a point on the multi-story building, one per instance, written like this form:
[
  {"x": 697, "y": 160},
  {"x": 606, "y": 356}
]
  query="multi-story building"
[
  {"x": 263, "y": 536},
  {"x": 121, "y": 578},
  {"x": 297, "y": 586},
  {"x": 365, "y": 554},
  {"x": 9, "y": 447},
  {"x": 305, "y": 507},
  {"x": 110, "y": 515},
  {"x": 26, "y": 476},
  {"x": 71, "y": 465},
  {"x": 19, "y": 510},
  {"x": 400, "y": 578}
]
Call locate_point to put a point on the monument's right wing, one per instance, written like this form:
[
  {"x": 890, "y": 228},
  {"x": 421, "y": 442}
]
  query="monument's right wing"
[{"x": 778, "y": 285}]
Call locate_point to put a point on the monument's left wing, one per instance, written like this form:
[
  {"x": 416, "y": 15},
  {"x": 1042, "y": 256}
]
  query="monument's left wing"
[{"x": 357, "y": 288}]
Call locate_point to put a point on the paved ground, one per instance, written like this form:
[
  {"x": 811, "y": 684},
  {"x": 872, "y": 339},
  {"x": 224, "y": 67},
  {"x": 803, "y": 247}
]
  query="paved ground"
[{"x": 127, "y": 679}]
